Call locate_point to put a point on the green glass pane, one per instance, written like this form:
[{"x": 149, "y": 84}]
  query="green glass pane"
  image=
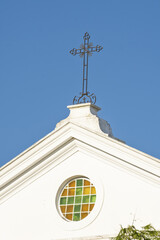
[
  {"x": 93, "y": 198},
  {"x": 79, "y": 182},
  {"x": 78, "y": 199},
  {"x": 70, "y": 200},
  {"x": 85, "y": 199},
  {"x": 77, "y": 208},
  {"x": 78, "y": 191},
  {"x": 63, "y": 200},
  {"x": 76, "y": 217}
]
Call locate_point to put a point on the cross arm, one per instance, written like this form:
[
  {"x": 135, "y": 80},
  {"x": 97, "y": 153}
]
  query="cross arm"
[
  {"x": 75, "y": 51},
  {"x": 95, "y": 49}
]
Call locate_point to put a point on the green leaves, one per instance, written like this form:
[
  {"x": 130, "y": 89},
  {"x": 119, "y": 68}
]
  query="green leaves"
[{"x": 131, "y": 233}]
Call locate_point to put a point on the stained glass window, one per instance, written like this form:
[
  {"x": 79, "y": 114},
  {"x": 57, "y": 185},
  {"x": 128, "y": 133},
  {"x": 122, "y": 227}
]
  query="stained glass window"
[{"x": 77, "y": 199}]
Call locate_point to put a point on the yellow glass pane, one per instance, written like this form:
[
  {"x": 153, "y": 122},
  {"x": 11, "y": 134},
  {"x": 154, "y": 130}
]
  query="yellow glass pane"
[
  {"x": 86, "y": 190},
  {"x": 69, "y": 216},
  {"x": 69, "y": 208},
  {"x": 72, "y": 184},
  {"x": 83, "y": 215},
  {"x": 85, "y": 207},
  {"x": 93, "y": 190},
  {"x": 86, "y": 183},
  {"x": 63, "y": 209},
  {"x": 71, "y": 191},
  {"x": 64, "y": 193},
  {"x": 91, "y": 207}
]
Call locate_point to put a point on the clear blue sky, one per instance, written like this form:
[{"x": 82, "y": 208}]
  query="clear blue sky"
[{"x": 39, "y": 77}]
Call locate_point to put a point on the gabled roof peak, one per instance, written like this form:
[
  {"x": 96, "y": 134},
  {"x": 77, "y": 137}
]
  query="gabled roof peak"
[
  {"x": 85, "y": 109},
  {"x": 85, "y": 115}
]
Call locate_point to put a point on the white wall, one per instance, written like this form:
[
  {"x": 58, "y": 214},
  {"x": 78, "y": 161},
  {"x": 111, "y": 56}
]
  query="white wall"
[{"x": 122, "y": 197}]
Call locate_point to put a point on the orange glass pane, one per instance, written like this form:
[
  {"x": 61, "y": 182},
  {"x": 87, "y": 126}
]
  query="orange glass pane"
[
  {"x": 63, "y": 209},
  {"x": 86, "y": 183},
  {"x": 86, "y": 190},
  {"x": 91, "y": 207},
  {"x": 93, "y": 190},
  {"x": 72, "y": 184},
  {"x": 83, "y": 215},
  {"x": 85, "y": 207},
  {"x": 69, "y": 208},
  {"x": 71, "y": 191},
  {"x": 64, "y": 193},
  {"x": 69, "y": 216}
]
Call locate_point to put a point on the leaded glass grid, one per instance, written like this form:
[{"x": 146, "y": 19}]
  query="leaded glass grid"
[{"x": 77, "y": 199}]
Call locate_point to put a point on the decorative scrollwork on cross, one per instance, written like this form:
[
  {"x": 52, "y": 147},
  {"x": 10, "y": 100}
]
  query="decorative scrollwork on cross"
[
  {"x": 85, "y": 98},
  {"x": 84, "y": 51}
]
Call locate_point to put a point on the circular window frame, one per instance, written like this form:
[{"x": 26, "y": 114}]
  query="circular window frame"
[
  {"x": 74, "y": 225},
  {"x": 91, "y": 186}
]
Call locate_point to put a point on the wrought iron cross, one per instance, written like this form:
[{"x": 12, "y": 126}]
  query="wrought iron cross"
[{"x": 85, "y": 50}]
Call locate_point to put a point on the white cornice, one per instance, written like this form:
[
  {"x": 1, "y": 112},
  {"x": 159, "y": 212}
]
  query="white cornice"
[{"x": 98, "y": 237}]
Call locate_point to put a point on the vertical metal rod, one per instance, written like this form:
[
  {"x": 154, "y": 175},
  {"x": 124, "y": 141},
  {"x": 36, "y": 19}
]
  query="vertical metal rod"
[
  {"x": 83, "y": 73},
  {"x": 87, "y": 74},
  {"x": 85, "y": 66}
]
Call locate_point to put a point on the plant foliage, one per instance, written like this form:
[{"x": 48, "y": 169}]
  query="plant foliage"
[{"x": 131, "y": 233}]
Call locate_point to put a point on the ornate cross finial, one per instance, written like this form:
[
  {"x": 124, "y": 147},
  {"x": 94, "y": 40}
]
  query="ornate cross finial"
[{"x": 85, "y": 50}]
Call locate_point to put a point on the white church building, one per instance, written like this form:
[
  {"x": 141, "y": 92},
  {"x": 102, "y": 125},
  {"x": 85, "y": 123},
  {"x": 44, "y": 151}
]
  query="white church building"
[{"x": 78, "y": 183}]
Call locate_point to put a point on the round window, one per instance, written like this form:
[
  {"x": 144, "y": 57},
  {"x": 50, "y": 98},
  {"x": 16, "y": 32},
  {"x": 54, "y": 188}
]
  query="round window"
[{"x": 77, "y": 199}]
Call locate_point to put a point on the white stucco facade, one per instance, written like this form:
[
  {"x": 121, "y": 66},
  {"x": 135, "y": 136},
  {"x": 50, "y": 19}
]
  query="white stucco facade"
[{"x": 127, "y": 182}]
